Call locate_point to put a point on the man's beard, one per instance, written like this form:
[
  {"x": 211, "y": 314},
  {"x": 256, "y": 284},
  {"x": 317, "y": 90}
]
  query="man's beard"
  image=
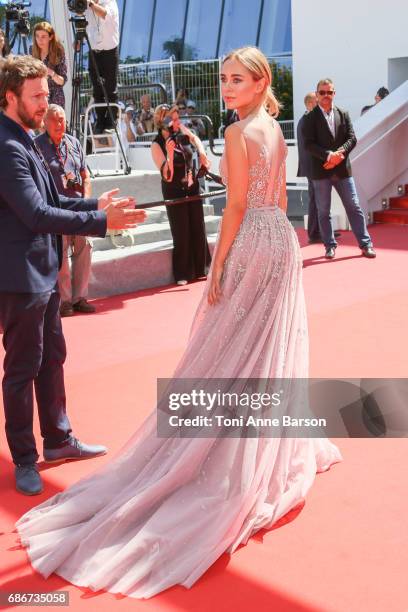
[{"x": 33, "y": 122}]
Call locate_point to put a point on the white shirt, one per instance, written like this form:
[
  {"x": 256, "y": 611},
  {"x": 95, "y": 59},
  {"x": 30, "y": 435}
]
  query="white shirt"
[
  {"x": 330, "y": 120},
  {"x": 123, "y": 130},
  {"x": 103, "y": 33}
]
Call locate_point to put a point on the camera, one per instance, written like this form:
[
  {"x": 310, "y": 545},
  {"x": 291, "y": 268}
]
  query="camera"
[
  {"x": 77, "y": 6},
  {"x": 17, "y": 11},
  {"x": 70, "y": 181},
  {"x": 71, "y": 184},
  {"x": 179, "y": 138}
]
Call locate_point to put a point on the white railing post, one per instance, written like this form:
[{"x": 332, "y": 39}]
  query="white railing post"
[
  {"x": 220, "y": 96},
  {"x": 173, "y": 88}
]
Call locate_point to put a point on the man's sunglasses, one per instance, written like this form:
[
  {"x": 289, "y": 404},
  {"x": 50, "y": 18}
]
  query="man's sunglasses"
[{"x": 322, "y": 92}]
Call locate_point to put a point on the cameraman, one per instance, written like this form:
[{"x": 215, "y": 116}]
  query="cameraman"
[
  {"x": 103, "y": 33},
  {"x": 172, "y": 151},
  {"x": 66, "y": 161}
]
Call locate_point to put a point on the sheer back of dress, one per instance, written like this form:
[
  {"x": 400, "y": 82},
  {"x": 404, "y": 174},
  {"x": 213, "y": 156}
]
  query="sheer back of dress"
[{"x": 267, "y": 152}]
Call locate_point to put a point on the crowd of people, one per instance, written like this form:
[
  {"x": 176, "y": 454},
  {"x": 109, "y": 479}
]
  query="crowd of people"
[
  {"x": 179, "y": 173},
  {"x": 138, "y": 119}
]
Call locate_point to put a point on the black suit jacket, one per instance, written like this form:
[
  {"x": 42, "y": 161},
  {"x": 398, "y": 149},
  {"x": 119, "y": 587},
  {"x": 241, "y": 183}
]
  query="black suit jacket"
[
  {"x": 305, "y": 159},
  {"x": 33, "y": 216},
  {"x": 319, "y": 141}
]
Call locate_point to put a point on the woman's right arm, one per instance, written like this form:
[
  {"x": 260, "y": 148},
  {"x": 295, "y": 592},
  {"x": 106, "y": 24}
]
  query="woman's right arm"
[
  {"x": 163, "y": 163},
  {"x": 59, "y": 74}
]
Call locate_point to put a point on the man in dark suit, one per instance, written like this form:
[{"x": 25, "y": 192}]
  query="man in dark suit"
[
  {"x": 304, "y": 169},
  {"x": 329, "y": 138},
  {"x": 32, "y": 219}
]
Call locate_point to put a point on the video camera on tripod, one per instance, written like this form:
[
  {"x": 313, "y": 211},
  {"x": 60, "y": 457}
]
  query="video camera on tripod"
[
  {"x": 77, "y": 6},
  {"x": 17, "y": 12},
  {"x": 79, "y": 23}
]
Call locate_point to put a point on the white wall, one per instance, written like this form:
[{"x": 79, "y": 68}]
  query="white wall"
[{"x": 349, "y": 41}]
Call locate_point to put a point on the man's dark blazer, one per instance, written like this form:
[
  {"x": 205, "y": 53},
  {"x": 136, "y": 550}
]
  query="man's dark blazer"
[
  {"x": 305, "y": 159},
  {"x": 33, "y": 216},
  {"x": 319, "y": 141}
]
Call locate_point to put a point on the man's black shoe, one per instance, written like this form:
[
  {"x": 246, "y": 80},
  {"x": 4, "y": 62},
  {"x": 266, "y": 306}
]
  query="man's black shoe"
[
  {"x": 73, "y": 449},
  {"x": 369, "y": 252},
  {"x": 330, "y": 253},
  {"x": 28, "y": 480}
]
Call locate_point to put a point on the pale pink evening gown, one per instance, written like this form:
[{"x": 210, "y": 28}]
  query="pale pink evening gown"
[{"x": 164, "y": 509}]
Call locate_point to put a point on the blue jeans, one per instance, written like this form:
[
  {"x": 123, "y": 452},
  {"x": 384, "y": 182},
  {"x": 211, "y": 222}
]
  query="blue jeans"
[
  {"x": 346, "y": 189},
  {"x": 313, "y": 230}
]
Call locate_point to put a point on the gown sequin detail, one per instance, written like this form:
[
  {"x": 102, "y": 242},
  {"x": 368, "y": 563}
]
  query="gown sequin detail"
[{"x": 163, "y": 510}]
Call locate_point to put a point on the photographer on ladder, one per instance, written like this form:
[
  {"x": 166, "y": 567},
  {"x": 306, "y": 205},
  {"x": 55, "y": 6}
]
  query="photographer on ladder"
[{"x": 103, "y": 33}]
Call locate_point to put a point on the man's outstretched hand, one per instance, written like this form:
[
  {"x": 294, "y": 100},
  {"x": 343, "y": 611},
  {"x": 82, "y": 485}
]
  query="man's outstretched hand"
[
  {"x": 108, "y": 198},
  {"x": 120, "y": 212}
]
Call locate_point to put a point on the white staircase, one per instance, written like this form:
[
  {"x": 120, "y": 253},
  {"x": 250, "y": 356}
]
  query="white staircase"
[{"x": 140, "y": 258}]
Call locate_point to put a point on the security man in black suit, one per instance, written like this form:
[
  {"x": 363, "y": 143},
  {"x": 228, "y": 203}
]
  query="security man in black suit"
[{"x": 329, "y": 138}]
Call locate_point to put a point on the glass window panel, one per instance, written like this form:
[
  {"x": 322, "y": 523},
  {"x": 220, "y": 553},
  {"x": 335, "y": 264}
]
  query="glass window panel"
[
  {"x": 276, "y": 28},
  {"x": 168, "y": 29},
  {"x": 120, "y": 6},
  {"x": 240, "y": 24},
  {"x": 136, "y": 28},
  {"x": 202, "y": 29},
  {"x": 37, "y": 8},
  {"x": 47, "y": 11}
]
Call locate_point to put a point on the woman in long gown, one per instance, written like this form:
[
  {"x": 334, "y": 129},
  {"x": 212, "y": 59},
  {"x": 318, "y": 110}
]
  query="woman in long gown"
[{"x": 164, "y": 509}]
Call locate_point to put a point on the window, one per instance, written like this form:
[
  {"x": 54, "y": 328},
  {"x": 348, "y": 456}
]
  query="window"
[
  {"x": 168, "y": 29},
  {"x": 39, "y": 8},
  {"x": 239, "y": 25},
  {"x": 135, "y": 35},
  {"x": 202, "y": 26},
  {"x": 276, "y": 28}
]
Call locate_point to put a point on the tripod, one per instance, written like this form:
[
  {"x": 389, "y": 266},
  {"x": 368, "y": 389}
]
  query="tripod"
[
  {"x": 79, "y": 25},
  {"x": 20, "y": 35}
]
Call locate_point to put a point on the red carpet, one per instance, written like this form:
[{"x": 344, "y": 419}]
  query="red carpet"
[{"x": 347, "y": 548}]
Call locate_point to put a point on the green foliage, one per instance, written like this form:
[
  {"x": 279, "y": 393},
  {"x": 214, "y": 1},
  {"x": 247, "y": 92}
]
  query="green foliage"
[
  {"x": 176, "y": 48},
  {"x": 131, "y": 59},
  {"x": 282, "y": 80}
]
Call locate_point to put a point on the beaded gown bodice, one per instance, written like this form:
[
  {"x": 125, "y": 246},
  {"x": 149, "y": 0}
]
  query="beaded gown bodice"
[{"x": 267, "y": 152}]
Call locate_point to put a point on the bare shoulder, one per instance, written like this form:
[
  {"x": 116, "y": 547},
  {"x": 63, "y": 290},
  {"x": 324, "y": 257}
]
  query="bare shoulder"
[
  {"x": 233, "y": 130},
  {"x": 234, "y": 136}
]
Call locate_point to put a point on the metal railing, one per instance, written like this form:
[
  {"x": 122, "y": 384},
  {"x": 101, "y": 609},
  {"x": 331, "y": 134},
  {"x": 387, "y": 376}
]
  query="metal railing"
[
  {"x": 288, "y": 129},
  {"x": 199, "y": 78}
]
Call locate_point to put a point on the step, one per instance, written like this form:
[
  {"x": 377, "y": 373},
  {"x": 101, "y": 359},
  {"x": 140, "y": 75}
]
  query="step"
[
  {"x": 391, "y": 215},
  {"x": 399, "y": 202},
  {"x": 133, "y": 268},
  {"x": 147, "y": 234}
]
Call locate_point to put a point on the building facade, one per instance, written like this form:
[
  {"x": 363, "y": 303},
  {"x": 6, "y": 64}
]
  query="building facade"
[{"x": 195, "y": 29}]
